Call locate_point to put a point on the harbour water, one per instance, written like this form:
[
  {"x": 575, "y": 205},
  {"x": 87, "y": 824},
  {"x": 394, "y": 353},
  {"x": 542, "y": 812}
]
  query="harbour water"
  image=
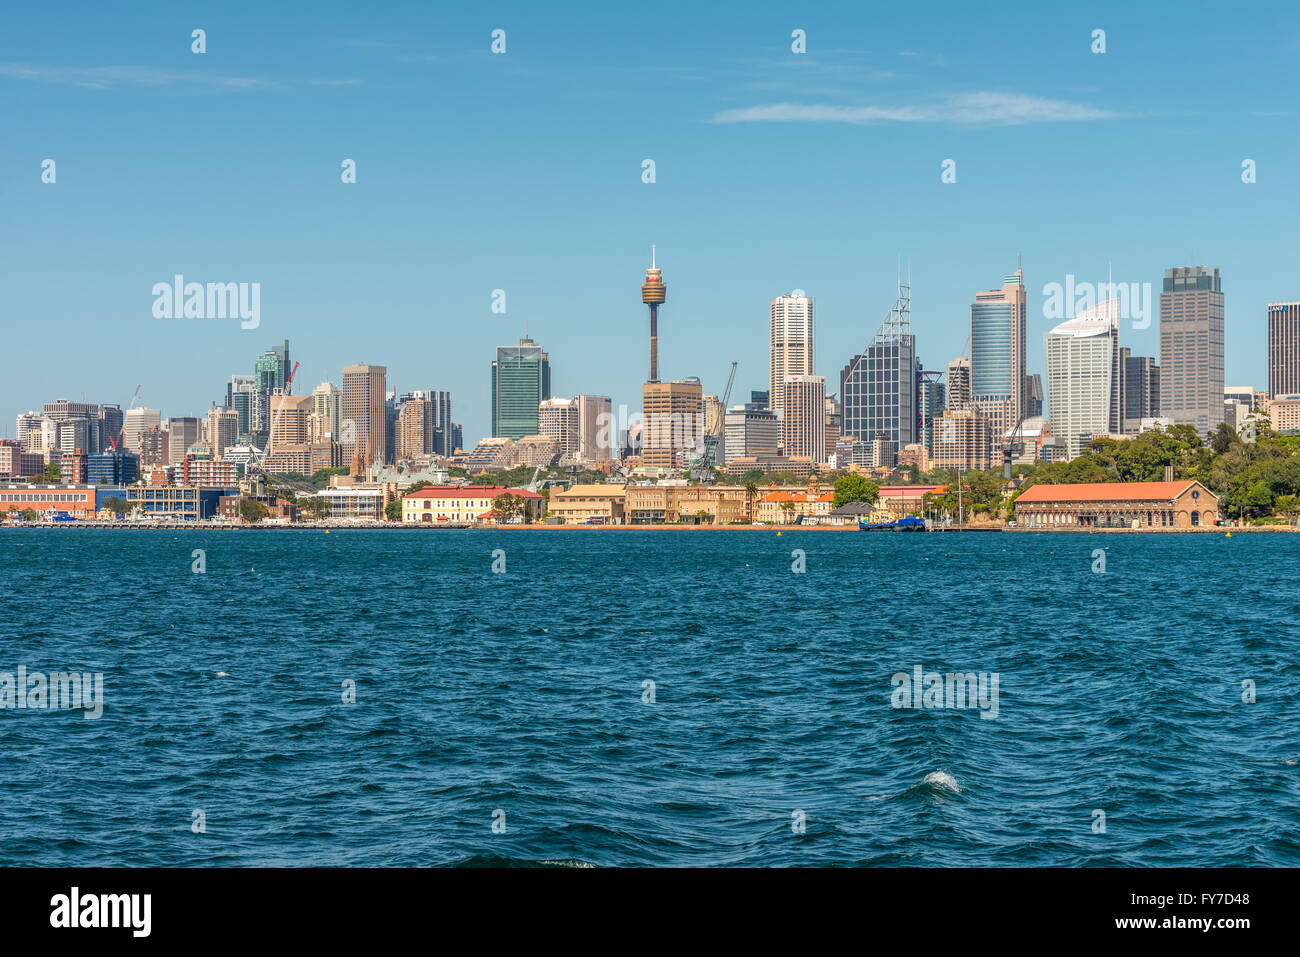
[{"x": 655, "y": 698}]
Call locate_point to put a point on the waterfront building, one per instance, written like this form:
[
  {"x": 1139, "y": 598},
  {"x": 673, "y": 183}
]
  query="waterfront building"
[
  {"x": 791, "y": 343},
  {"x": 1180, "y": 504},
  {"x": 77, "y": 501},
  {"x": 181, "y": 502},
  {"x": 587, "y": 505},
  {"x": 113, "y": 467},
  {"x": 1191, "y": 347},
  {"x": 463, "y": 503},
  {"x": 521, "y": 380},
  {"x": 1284, "y": 348}
]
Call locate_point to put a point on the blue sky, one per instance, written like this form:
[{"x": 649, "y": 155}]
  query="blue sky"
[{"x": 522, "y": 172}]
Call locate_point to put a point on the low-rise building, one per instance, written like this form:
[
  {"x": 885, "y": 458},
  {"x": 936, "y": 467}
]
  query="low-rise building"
[
  {"x": 77, "y": 501},
  {"x": 183, "y": 502},
  {"x": 782, "y": 507},
  {"x": 587, "y": 505},
  {"x": 455, "y": 504},
  {"x": 1182, "y": 504}
]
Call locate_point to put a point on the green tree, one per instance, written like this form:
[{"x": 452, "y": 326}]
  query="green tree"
[
  {"x": 855, "y": 488},
  {"x": 251, "y": 510},
  {"x": 503, "y": 507},
  {"x": 316, "y": 507},
  {"x": 393, "y": 510},
  {"x": 116, "y": 506},
  {"x": 28, "y": 515},
  {"x": 751, "y": 493},
  {"x": 1287, "y": 506}
]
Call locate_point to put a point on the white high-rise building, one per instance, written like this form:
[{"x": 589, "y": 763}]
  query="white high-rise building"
[
  {"x": 791, "y": 343},
  {"x": 559, "y": 420},
  {"x": 803, "y": 422},
  {"x": 326, "y": 406},
  {"x": 1082, "y": 376},
  {"x": 135, "y": 421}
]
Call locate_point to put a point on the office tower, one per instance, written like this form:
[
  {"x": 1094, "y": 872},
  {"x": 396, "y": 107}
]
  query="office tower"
[
  {"x": 110, "y": 427},
  {"x": 759, "y": 400},
  {"x": 61, "y": 409},
  {"x": 288, "y": 422},
  {"x": 182, "y": 432},
  {"x": 222, "y": 429},
  {"x": 1191, "y": 347},
  {"x": 1082, "y": 382},
  {"x": 1283, "y": 348},
  {"x": 1034, "y": 396},
  {"x": 391, "y": 411},
  {"x": 414, "y": 428},
  {"x": 997, "y": 354},
  {"x": 879, "y": 387},
  {"x": 963, "y": 440},
  {"x": 239, "y": 388},
  {"x": 112, "y": 467},
  {"x": 653, "y": 294},
  {"x": 64, "y": 410},
  {"x": 931, "y": 403},
  {"x": 135, "y": 422},
  {"x": 803, "y": 426},
  {"x": 327, "y": 407},
  {"x": 271, "y": 370},
  {"x": 521, "y": 380},
  {"x": 1141, "y": 390},
  {"x": 457, "y": 437},
  {"x": 750, "y": 430},
  {"x": 26, "y": 423},
  {"x": 442, "y": 424},
  {"x": 959, "y": 393},
  {"x": 72, "y": 434},
  {"x": 672, "y": 422},
  {"x": 791, "y": 345},
  {"x": 363, "y": 427},
  {"x": 558, "y": 420},
  {"x": 596, "y": 429}
]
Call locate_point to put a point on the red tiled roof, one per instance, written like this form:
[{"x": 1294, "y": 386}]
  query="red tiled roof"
[
  {"x": 469, "y": 491},
  {"x": 1107, "y": 492}
]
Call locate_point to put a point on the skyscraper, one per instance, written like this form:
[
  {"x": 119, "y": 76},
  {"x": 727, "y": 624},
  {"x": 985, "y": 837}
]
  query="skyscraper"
[
  {"x": 653, "y": 294},
  {"x": 1082, "y": 382},
  {"x": 931, "y": 403},
  {"x": 878, "y": 388},
  {"x": 362, "y": 428},
  {"x": 414, "y": 427},
  {"x": 959, "y": 394},
  {"x": 559, "y": 420},
  {"x": 997, "y": 354},
  {"x": 521, "y": 380},
  {"x": 182, "y": 432},
  {"x": 1191, "y": 347},
  {"x": 327, "y": 408},
  {"x": 135, "y": 422},
  {"x": 791, "y": 345},
  {"x": 1141, "y": 390},
  {"x": 803, "y": 416},
  {"x": 597, "y": 436},
  {"x": 672, "y": 422},
  {"x": 271, "y": 370},
  {"x": 1283, "y": 348}
]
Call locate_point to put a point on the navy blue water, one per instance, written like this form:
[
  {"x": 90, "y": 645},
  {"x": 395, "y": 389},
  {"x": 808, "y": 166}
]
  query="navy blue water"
[{"x": 518, "y": 698}]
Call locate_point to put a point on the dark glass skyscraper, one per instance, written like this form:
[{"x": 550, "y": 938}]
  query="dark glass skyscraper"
[{"x": 521, "y": 379}]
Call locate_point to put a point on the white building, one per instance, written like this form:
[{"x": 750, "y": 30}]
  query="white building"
[
  {"x": 136, "y": 421},
  {"x": 1082, "y": 376},
  {"x": 791, "y": 343},
  {"x": 560, "y": 421}
]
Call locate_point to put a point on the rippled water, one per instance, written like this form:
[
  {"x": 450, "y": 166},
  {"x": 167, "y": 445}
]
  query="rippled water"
[{"x": 522, "y": 693}]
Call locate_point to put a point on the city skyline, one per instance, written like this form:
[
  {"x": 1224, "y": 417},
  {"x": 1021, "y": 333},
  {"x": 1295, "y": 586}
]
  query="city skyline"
[{"x": 334, "y": 259}]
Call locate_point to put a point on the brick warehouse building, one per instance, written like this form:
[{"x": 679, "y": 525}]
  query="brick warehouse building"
[{"x": 1184, "y": 504}]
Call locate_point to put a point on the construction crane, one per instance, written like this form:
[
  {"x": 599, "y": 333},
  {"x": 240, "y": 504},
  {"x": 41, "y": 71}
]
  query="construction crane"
[
  {"x": 122, "y": 431},
  {"x": 703, "y": 467}
]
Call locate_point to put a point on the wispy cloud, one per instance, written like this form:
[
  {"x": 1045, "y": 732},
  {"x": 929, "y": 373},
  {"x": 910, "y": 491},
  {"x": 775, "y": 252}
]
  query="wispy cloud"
[
  {"x": 104, "y": 77},
  {"x": 985, "y": 108}
]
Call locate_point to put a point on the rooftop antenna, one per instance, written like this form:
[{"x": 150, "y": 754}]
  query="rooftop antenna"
[{"x": 652, "y": 255}]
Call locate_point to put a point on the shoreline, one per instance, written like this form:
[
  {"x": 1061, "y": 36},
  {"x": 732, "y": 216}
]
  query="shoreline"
[{"x": 542, "y": 527}]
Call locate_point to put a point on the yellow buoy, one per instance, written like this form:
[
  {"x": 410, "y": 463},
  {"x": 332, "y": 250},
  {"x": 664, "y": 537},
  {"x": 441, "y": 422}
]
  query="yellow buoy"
[
  {"x": 778, "y": 534},
  {"x": 327, "y": 531},
  {"x": 1228, "y": 534}
]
